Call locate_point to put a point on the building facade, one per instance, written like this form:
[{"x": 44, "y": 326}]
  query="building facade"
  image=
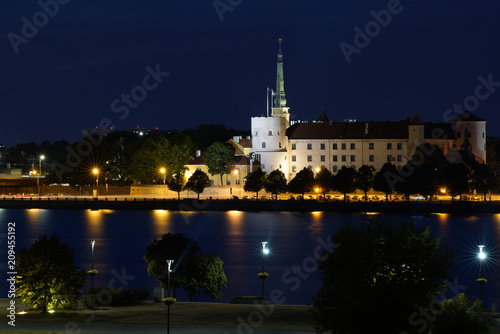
[{"x": 277, "y": 144}]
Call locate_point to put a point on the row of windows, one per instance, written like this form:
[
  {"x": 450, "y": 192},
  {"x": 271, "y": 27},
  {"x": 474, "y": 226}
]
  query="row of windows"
[
  {"x": 264, "y": 144},
  {"x": 269, "y": 133},
  {"x": 371, "y": 158},
  {"x": 352, "y": 146}
]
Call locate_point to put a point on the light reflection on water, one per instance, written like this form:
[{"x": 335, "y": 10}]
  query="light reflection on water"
[{"x": 122, "y": 237}]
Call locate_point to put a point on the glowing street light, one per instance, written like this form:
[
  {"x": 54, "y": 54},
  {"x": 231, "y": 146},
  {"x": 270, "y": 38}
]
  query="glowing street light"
[
  {"x": 92, "y": 244},
  {"x": 163, "y": 171},
  {"x": 481, "y": 280},
  {"x": 169, "y": 264},
  {"x": 95, "y": 171},
  {"x": 39, "y": 171},
  {"x": 263, "y": 275}
]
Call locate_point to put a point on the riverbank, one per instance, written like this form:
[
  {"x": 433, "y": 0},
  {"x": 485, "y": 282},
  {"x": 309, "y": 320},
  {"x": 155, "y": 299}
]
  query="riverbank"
[{"x": 151, "y": 203}]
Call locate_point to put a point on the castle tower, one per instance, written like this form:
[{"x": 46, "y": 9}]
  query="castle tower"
[
  {"x": 469, "y": 126},
  {"x": 269, "y": 141},
  {"x": 415, "y": 135},
  {"x": 279, "y": 107}
]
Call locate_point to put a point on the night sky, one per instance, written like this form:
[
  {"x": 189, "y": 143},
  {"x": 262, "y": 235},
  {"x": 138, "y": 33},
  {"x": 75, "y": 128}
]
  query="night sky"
[{"x": 71, "y": 73}]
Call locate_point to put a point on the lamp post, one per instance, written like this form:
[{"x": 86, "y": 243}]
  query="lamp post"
[
  {"x": 163, "y": 171},
  {"x": 92, "y": 243},
  {"x": 265, "y": 251},
  {"x": 169, "y": 263},
  {"x": 481, "y": 280},
  {"x": 39, "y": 172},
  {"x": 96, "y": 173}
]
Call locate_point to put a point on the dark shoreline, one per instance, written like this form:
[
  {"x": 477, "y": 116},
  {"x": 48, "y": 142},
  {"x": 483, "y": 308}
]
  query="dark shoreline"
[{"x": 111, "y": 203}]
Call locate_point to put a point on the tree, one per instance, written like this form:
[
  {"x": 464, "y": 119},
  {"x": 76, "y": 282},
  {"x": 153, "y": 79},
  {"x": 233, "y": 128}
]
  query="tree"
[
  {"x": 456, "y": 179},
  {"x": 191, "y": 271},
  {"x": 462, "y": 315},
  {"x": 151, "y": 156},
  {"x": 47, "y": 275},
  {"x": 324, "y": 180},
  {"x": 275, "y": 183},
  {"x": 345, "y": 180},
  {"x": 386, "y": 179},
  {"x": 483, "y": 179},
  {"x": 177, "y": 184},
  {"x": 219, "y": 158},
  {"x": 365, "y": 179},
  {"x": 255, "y": 181},
  {"x": 382, "y": 271},
  {"x": 198, "y": 182},
  {"x": 303, "y": 182}
]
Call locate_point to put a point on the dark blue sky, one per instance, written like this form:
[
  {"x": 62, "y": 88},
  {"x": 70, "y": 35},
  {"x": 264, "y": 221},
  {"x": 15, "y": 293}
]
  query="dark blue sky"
[{"x": 65, "y": 77}]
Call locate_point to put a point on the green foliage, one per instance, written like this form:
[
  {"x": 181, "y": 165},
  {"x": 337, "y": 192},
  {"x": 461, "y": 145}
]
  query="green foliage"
[
  {"x": 365, "y": 179},
  {"x": 191, "y": 271},
  {"x": 177, "y": 184},
  {"x": 146, "y": 162},
  {"x": 255, "y": 181},
  {"x": 198, "y": 182},
  {"x": 382, "y": 272},
  {"x": 345, "y": 180},
  {"x": 303, "y": 182},
  {"x": 456, "y": 179},
  {"x": 47, "y": 275},
  {"x": 276, "y": 183},
  {"x": 113, "y": 297},
  {"x": 483, "y": 179},
  {"x": 324, "y": 180},
  {"x": 462, "y": 315},
  {"x": 219, "y": 159},
  {"x": 386, "y": 179}
]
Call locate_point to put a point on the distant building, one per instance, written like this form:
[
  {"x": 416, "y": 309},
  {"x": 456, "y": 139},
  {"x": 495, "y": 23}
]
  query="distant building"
[{"x": 277, "y": 144}]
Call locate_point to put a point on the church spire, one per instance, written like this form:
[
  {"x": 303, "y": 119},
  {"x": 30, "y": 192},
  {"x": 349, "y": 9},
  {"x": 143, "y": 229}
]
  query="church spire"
[{"x": 279, "y": 106}]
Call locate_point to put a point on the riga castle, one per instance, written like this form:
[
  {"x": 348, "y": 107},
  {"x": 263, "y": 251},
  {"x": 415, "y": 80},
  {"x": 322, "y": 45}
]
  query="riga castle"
[{"x": 288, "y": 146}]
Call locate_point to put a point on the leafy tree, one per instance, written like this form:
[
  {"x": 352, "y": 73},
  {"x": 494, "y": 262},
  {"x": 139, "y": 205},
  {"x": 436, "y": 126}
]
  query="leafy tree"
[
  {"x": 483, "y": 179},
  {"x": 427, "y": 179},
  {"x": 177, "y": 184},
  {"x": 303, "y": 182},
  {"x": 181, "y": 152},
  {"x": 198, "y": 182},
  {"x": 456, "y": 179},
  {"x": 255, "y": 181},
  {"x": 276, "y": 183},
  {"x": 345, "y": 180},
  {"x": 324, "y": 180},
  {"x": 152, "y": 155},
  {"x": 47, "y": 275},
  {"x": 462, "y": 315},
  {"x": 118, "y": 149},
  {"x": 386, "y": 179},
  {"x": 219, "y": 158},
  {"x": 383, "y": 271},
  {"x": 191, "y": 271},
  {"x": 365, "y": 178}
]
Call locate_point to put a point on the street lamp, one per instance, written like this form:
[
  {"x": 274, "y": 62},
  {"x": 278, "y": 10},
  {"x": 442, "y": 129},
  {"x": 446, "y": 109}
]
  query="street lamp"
[
  {"x": 92, "y": 243},
  {"x": 39, "y": 171},
  {"x": 96, "y": 173},
  {"x": 169, "y": 263},
  {"x": 163, "y": 171},
  {"x": 481, "y": 280},
  {"x": 263, "y": 275}
]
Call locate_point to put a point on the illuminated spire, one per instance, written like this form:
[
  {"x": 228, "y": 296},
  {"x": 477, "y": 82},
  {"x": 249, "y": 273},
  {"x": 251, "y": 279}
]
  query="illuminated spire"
[{"x": 280, "y": 99}]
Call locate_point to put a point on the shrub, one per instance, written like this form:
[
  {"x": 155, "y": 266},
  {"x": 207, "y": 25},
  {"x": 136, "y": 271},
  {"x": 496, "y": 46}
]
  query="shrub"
[{"x": 114, "y": 297}]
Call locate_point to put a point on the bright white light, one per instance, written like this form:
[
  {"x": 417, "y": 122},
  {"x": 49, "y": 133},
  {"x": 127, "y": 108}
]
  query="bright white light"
[
  {"x": 51, "y": 311},
  {"x": 266, "y": 251},
  {"x": 481, "y": 255}
]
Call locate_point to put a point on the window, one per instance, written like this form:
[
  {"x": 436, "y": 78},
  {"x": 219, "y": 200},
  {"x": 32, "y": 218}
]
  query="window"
[
  {"x": 238, "y": 182},
  {"x": 212, "y": 182},
  {"x": 294, "y": 146},
  {"x": 399, "y": 146},
  {"x": 335, "y": 158},
  {"x": 389, "y": 157},
  {"x": 228, "y": 182},
  {"x": 279, "y": 144},
  {"x": 321, "y": 146},
  {"x": 344, "y": 158},
  {"x": 294, "y": 158},
  {"x": 371, "y": 146},
  {"x": 263, "y": 144},
  {"x": 371, "y": 158},
  {"x": 309, "y": 158},
  {"x": 344, "y": 146},
  {"x": 256, "y": 133},
  {"x": 322, "y": 158},
  {"x": 309, "y": 146},
  {"x": 389, "y": 146},
  {"x": 353, "y": 146},
  {"x": 294, "y": 169},
  {"x": 270, "y": 133},
  {"x": 353, "y": 158},
  {"x": 400, "y": 157},
  {"x": 335, "y": 147}
]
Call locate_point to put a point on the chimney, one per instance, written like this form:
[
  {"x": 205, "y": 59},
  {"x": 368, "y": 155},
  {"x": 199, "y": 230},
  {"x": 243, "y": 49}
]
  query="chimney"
[
  {"x": 366, "y": 129},
  {"x": 198, "y": 153}
]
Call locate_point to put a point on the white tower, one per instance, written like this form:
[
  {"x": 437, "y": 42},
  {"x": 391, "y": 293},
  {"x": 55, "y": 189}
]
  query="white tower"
[
  {"x": 474, "y": 128},
  {"x": 269, "y": 141}
]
